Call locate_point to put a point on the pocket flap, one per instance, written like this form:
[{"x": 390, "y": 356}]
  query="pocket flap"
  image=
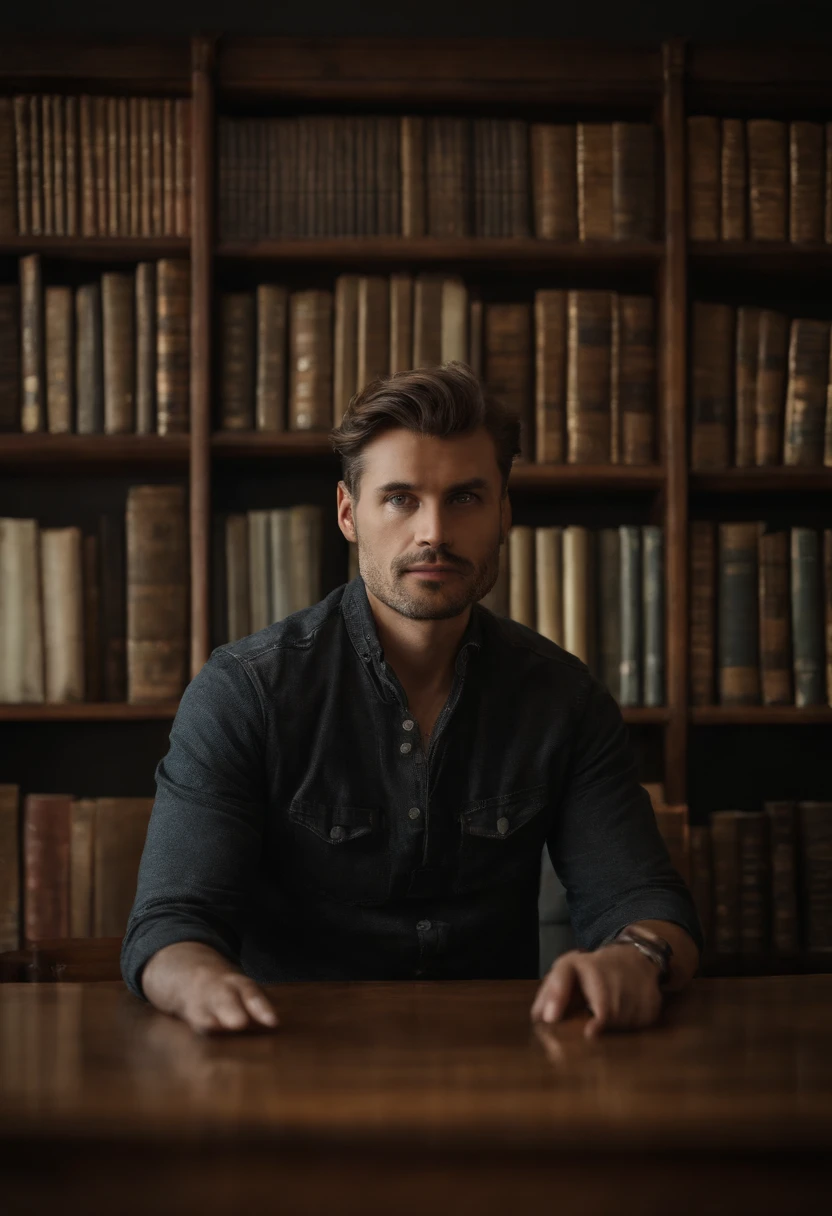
[
  {"x": 501, "y": 816},
  {"x": 334, "y": 824}
]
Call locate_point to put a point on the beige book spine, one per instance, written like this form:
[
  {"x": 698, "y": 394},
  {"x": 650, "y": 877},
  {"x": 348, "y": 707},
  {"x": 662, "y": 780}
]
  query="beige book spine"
[
  {"x": 578, "y": 593},
  {"x": 594, "y": 149},
  {"x": 21, "y": 612},
  {"x": 117, "y": 307},
  {"x": 310, "y": 367},
  {"x": 412, "y": 137},
  {"x": 305, "y": 538},
  {"x": 63, "y": 613},
  {"x": 401, "y": 322},
  {"x": 33, "y": 410},
  {"x": 454, "y": 320},
  {"x": 427, "y": 320},
  {"x": 373, "y": 328}
]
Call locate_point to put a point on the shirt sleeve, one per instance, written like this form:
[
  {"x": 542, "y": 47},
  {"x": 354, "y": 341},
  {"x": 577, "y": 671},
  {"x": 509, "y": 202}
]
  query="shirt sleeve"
[
  {"x": 605, "y": 844},
  {"x": 204, "y": 837}
]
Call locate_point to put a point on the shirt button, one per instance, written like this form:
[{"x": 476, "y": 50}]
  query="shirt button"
[
  {"x": 405, "y": 748},
  {"x": 502, "y": 825},
  {"x": 423, "y": 924},
  {"x": 408, "y": 724},
  {"x": 337, "y": 833},
  {"x": 414, "y": 812}
]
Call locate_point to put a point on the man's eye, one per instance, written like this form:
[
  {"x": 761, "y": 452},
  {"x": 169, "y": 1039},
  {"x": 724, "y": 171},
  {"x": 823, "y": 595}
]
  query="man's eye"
[{"x": 462, "y": 494}]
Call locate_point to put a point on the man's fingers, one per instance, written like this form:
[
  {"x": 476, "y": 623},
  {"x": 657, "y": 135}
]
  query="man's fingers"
[
  {"x": 259, "y": 1005},
  {"x": 598, "y": 998},
  {"x": 228, "y": 1008},
  {"x": 555, "y": 991}
]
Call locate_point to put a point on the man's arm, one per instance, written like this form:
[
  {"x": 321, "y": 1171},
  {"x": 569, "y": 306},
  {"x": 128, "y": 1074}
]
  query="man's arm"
[{"x": 685, "y": 961}]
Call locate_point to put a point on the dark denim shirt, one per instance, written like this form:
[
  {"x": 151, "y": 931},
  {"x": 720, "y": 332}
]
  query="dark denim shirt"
[{"x": 300, "y": 829}]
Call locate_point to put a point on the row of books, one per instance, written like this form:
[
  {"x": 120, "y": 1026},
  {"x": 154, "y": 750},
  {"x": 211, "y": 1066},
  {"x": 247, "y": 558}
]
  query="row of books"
[
  {"x": 762, "y": 880},
  {"x": 95, "y": 166},
  {"x": 760, "y": 614},
  {"x": 763, "y": 179},
  {"x": 761, "y": 390},
  {"x": 577, "y": 367},
  {"x": 68, "y": 865},
  {"x": 111, "y": 356},
  {"x": 440, "y": 175},
  {"x": 97, "y": 617}
]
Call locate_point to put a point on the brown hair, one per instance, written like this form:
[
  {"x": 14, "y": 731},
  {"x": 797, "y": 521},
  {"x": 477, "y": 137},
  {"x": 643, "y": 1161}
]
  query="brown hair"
[{"x": 441, "y": 401}]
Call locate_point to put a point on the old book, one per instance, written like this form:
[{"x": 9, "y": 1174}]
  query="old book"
[
  {"x": 156, "y": 168},
  {"x": 61, "y": 569},
  {"x": 21, "y": 621},
  {"x": 135, "y": 163},
  {"x": 72, "y": 166},
  {"x": 588, "y": 377},
  {"x": 755, "y": 884},
  {"x": 738, "y": 615},
  {"x": 168, "y": 173},
  {"x": 81, "y": 855},
  {"x": 120, "y": 831},
  {"x": 182, "y": 127},
  {"x": 401, "y": 323},
  {"x": 521, "y": 591},
  {"x": 701, "y": 880},
  {"x": 92, "y": 619},
  {"x": 497, "y": 599},
  {"x": 725, "y": 852},
  {"x": 89, "y": 197},
  {"x": 345, "y": 366},
  {"x": 157, "y": 593},
  {"x": 745, "y": 381},
  {"x": 58, "y": 309},
  {"x": 550, "y": 375},
  {"x": 518, "y": 218},
  {"x": 595, "y": 172},
  {"x": 145, "y": 168},
  {"x": 455, "y": 315},
  {"x": 702, "y": 581},
  {"x": 237, "y": 343},
  {"x": 549, "y": 582},
  {"x": 9, "y": 357},
  {"x": 827, "y": 609},
  {"x": 8, "y": 185},
  {"x": 373, "y": 329},
  {"x": 305, "y": 554},
  {"x": 783, "y": 844},
  {"x": 146, "y": 348},
  {"x": 508, "y": 365},
  {"x": 703, "y": 177},
  {"x": 768, "y": 163},
  {"x": 173, "y": 346},
  {"x": 476, "y": 329},
  {"x": 485, "y": 177},
  {"x": 113, "y": 184},
  {"x": 630, "y": 616},
  {"x": 803, "y": 439},
  {"x": 123, "y": 153},
  {"x": 652, "y": 575},
  {"x": 260, "y": 573},
  {"x": 112, "y": 584},
  {"x": 633, "y": 380},
  {"x": 554, "y": 168},
  {"x": 412, "y": 140},
  {"x": 99, "y": 154},
  {"x": 23, "y": 167},
  {"x": 815, "y": 836},
  {"x": 35, "y": 167},
  {"x": 310, "y": 360},
  {"x": 9, "y": 867},
  {"x": 579, "y": 614},
  {"x": 772, "y": 354},
  {"x": 33, "y": 409},
  {"x": 447, "y": 157},
  {"x": 272, "y": 305},
  {"x": 806, "y": 181},
  {"x": 412, "y": 163},
  {"x": 807, "y": 621},
  {"x": 89, "y": 360},
  {"x": 389, "y": 171},
  {"x": 775, "y": 618},
  {"x": 237, "y": 577},
  {"x": 633, "y": 181},
  {"x": 118, "y": 318},
  {"x": 58, "y": 165},
  {"x": 713, "y": 383},
  {"x": 47, "y": 164},
  {"x": 46, "y": 819},
  {"x": 427, "y": 320},
  {"x": 610, "y": 608},
  {"x": 733, "y": 181}
]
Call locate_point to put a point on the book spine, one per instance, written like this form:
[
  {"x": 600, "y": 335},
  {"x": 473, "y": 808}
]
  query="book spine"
[
  {"x": 135, "y": 161},
  {"x": 785, "y": 924},
  {"x": 23, "y": 165},
  {"x": 631, "y": 615},
  {"x": 81, "y": 846},
  {"x": 35, "y": 167},
  {"x": 653, "y": 614},
  {"x": 733, "y": 181},
  {"x": 755, "y": 881},
  {"x": 633, "y": 181},
  {"x": 806, "y": 174},
  {"x": 157, "y": 593},
  {"x": 99, "y": 150},
  {"x": 775, "y": 624},
  {"x": 63, "y": 613},
  {"x": 21, "y": 620},
  {"x": 455, "y": 308},
  {"x": 89, "y": 360},
  {"x": 518, "y": 134},
  {"x": 9, "y": 357},
  {"x": 117, "y": 309},
  {"x": 401, "y": 326},
  {"x": 237, "y": 361},
  {"x": 237, "y": 577},
  {"x": 703, "y": 177},
  {"x": 310, "y": 360},
  {"x": 168, "y": 172},
  {"x": 145, "y": 167},
  {"x": 47, "y": 165},
  {"x": 120, "y": 832},
  {"x": 72, "y": 169},
  {"x": 633, "y": 439},
  {"x": 145, "y": 348},
  {"x": 427, "y": 320},
  {"x": 46, "y": 819},
  {"x": 610, "y": 604},
  {"x": 702, "y": 611},
  {"x": 183, "y": 125},
  {"x": 113, "y": 183},
  {"x": 521, "y": 575},
  {"x": 59, "y": 165},
  {"x": 58, "y": 325},
  {"x": 8, "y": 189},
  {"x": 9, "y": 867},
  {"x": 803, "y": 440},
  {"x": 157, "y": 183},
  {"x": 768, "y": 178},
  {"x": 345, "y": 353},
  {"x": 270, "y": 387},
  {"x": 555, "y": 181},
  {"x": 89, "y": 198},
  {"x": 549, "y": 586},
  {"x": 112, "y": 584},
  {"x": 748, "y": 344},
  {"x": 771, "y": 387},
  {"x": 588, "y": 377},
  {"x": 173, "y": 317},
  {"x": 92, "y": 620},
  {"x": 550, "y": 376},
  {"x": 701, "y": 881},
  {"x": 124, "y": 183},
  {"x": 579, "y": 602},
  {"x": 738, "y": 615},
  {"x": 373, "y": 328},
  {"x": 508, "y": 365},
  {"x": 33, "y": 412},
  {"x": 807, "y": 624},
  {"x": 712, "y": 388},
  {"x": 815, "y": 834},
  {"x": 725, "y": 853},
  {"x": 595, "y": 172}
]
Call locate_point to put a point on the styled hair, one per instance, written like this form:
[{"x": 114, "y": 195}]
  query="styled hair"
[{"x": 440, "y": 401}]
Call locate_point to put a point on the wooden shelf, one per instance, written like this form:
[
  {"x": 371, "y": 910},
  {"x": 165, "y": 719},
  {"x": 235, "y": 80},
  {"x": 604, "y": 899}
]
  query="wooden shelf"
[
  {"x": 760, "y": 715},
  {"x": 44, "y": 450},
  {"x": 98, "y": 249},
  {"x": 643, "y": 715},
  {"x": 777, "y": 256},
  {"x": 771, "y": 480},
  {"x": 88, "y": 711}
]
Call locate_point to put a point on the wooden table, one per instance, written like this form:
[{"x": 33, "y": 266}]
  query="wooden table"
[{"x": 418, "y": 1098}]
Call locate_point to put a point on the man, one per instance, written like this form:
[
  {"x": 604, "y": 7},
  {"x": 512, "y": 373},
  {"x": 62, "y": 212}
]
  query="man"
[{"x": 364, "y": 789}]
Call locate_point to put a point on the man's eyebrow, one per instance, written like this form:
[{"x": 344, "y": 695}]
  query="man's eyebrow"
[{"x": 473, "y": 483}]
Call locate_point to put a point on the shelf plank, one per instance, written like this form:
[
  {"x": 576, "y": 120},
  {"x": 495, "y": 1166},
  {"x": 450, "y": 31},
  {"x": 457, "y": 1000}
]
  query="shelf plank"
[
  {"x": 88, "y": 711},
  {"x": 644, "y": 715},
  {"x": 771, "y": 480},
  {"x": 45, "y": 450},
  {"x": 760, "y": 715},
  {"x": 97, "y": 249},
  {"x": 813, "y": 258}
]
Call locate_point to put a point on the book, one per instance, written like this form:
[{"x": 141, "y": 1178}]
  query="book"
[
  {"x": 701, "y": 881},
  {"x": 549, "y": 582},
  {"x": 745, "y": 381},
  {"x": 630, "y": 665},
  {"x": 237, "y": 577},
  {"x": 783, "y": 835},
  {"x": 554, "y": 180},
  {"x": 272, "y": 308},
  {"x": 550, "y": 375},
  {"x": 447, "y": 161},
  {"x": 522, "y": 593},
  {"x": 89, "y": 360},
  {"x": 633, "y": 181},
  {"x": 737, "y": 613},
  {"x": 595, "y": 185},
  {"x": 588, "y": 377},
  {"x": 310, "y": 360},
  {"x": 173, "y": 346},
  {"x": 120, "y": 831},
  {"x": 21, "y": 617},
  {"x": 46, "y": 899},
  {"x": 754, "y": 885},
  {"x": 611, "y": 608},
  {"x": 237, "y": 358},
  {"x": 702, "y": 583},
  {"x": 427, "y": 320},
  {"x": 454, "y": 342},
  {"x": 703, "y": 177},
  {"x": 652, "y": 575},
  {"x": 775, "y": 617},
  {"x": 93, "y": 674},
  {"x": 632, "y": 380},
  {"x": 112, "y": 579},
  {"x": 8, "y": 184},
  {"x": 9, "y": 865},
  {"x": 81, "y": 871},
  {"x": 815, "y": 834},
  {"x": 579, "y": 618},
  {"x": 401, "y": 326},
  {"x": 725, "y": 853},
  {"x": 771, "y": 387},
  {"x": 373, "y": 329},
  {"x": 145, "y": 346},
  {"x": 807, "y": 622},
  {"x": 345, "y": 352},
  {"x": 63, "y": 613},
  {"x": 733, "y": 179},
  {"x": 803, "y": 442},
  {"x": 32, "y": 359},
  {"x": 806, "y": 181},
  {"x": 58, "y": 310},
  {"x": 9, "y": 357},
  {"x": 712, "y": 384},
  {"x": 767, "y": 179},
  {"x": 118, "y": 329},
  {"x": 412, "y": 145},
  {"x": 508, "y": 364}
]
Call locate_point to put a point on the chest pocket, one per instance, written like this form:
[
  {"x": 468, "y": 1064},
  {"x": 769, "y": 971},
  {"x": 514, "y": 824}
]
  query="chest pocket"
[
  {"x": 339, "y": 851},
  {"x": 502, "y": 838}
]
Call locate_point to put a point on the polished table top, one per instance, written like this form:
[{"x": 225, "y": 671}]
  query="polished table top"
[{"x": 734, "y": 1063}]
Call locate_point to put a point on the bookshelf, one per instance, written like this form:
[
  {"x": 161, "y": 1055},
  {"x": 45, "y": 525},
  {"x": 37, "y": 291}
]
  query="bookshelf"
[{"x": 543, "y": 80}]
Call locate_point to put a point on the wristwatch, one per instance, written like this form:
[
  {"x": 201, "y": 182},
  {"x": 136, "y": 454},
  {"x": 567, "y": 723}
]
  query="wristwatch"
[{"x": 656, "y": 948}]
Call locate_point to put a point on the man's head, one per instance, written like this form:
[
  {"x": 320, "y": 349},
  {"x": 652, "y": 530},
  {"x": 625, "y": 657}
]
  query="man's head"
[{"x": 426, "y": 457}]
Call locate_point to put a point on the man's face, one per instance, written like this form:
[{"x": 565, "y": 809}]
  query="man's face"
[{"x": 427, "y": 500}]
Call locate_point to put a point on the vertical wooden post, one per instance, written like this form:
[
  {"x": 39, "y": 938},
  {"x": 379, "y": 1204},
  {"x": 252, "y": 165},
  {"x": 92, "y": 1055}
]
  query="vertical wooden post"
[
  {"x": 202, "y": 247},
  {"x": 674, "y": 397}
]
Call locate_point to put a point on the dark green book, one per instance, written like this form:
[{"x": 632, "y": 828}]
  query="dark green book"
[
  {"x": 738, "y": 650},
  {"x": 808, "y": 652},
  {"x": 631, "y": 608}
]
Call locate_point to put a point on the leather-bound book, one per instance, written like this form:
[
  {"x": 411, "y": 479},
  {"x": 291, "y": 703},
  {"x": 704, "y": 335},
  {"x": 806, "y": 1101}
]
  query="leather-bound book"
[
  {"x": 701, "y": 881},
  {"x": 156, "y": 168},
  {"x": 725, "y": 854},
  {"x": 775, "y": 618},
  {"x": 23, "y": 167},
  {"x": 8, "y": 186},
  {"x": 237, "y": 327},
  {"x": 401, "y": 322},
  {"x": 182, "y": 134},
  {"x": 173, "y": 346},
  {"x": 58, "y": 309},
  {"x": 346, "y": 200},
  {"x": 118, "y": 314},
  {"x": 46, "y": 820},
  {"x": 550, "y": 375},
  {"x": 99, "y": 154},
  {"x": 610, "y": 608},
  {"x": 519, "y": 220},
  {"x": 10, "y": 387},
  {"x": 549, "y": 582},
  {"x": 427, "y": 320},
  {"x": 508, "y": 364},
  {"x": 755, "y": 886},
  {"x": 388, "y": 169},
  {"x": 827, "y": 608},
  {"x": 272, "y": 306},
  {"x": 305, "y": 552},
  {"x": 237, "y": 577},
  {"x": 9, "y": 867},
  {"x": 521, "y": 595},
  {"x": 448, "y": 176},
  {"x": 86, "y": 139},
  {"x": 630, "y": 685},
  {"x": 455, "y": 316},
  {"x": 135, "y": 161},
  {"x": 120, "y": 832},
  {"x": 807, "y": 620},
  {"x": 745, "y": 380},
  {"x": 89, "y": 360},
  {"x": 72, "y": 166},
  {"x": 21, "y": 619},
  {"x": 92, "y": 619},
  {"x": 815, "y": 834},
  {"x": 47, "y": 164},
  {"x": 588, "y": 377},
  {"x": 633, "y": 181},
  {"x": 123, "y": 121},
  {"x": 594, "y": 162},
  {"x": 33, "y": 411},
  {"x": 157, "y": 593},
  {"x": 310, "y": 360},
  {"x": 497, "y": 599},
  {"x": 81, "y": 857},
  {"x": 145, "y": 168},
  {"x": 652, "y": 574},
  {"x": 703, "y": 177},
  {"x": 373, "y": 330},
  {"x": 113, "y": 184},
  {"x": 713, "y": 385},
  {"x": 168, "y": 176},
  {"x": 803, "y": 439},
  {"x": 113, "y": 588},
  {"x": 702, "y": 580},
  {"x": 806, "y": 181},
  {"x": 554, "y": 181},
  {"x": 59, "y": 164},
  {"x": 783, "y": 844},
  {"x": 345, "y": 345},
  {"x": 772, "y": 356},
  {"x": 579, "y": 594},
  {"x": 62, "y": 584},
  {"x": 35, "y": 166},
  {"x": 146, "y": 348},
  {"x": 738, "y": 615},
  {"x": 476, "y": 326},
  {"x": 768, "y": 178},
  {"x": 733, "y": 181},
  {"x": 412, "y": 140},
  {"x": 485, "y": 176},
  {"x": 633, "y": 380}
]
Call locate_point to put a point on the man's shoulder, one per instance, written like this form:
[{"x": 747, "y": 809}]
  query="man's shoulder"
[
  {"x": 298, "y": 631},
  {"x": 514, "y": 637}
]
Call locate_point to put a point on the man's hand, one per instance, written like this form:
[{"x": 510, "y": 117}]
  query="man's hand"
[
  {"x": 204, "y": 989},
  {"x": 619, "y": 984}
]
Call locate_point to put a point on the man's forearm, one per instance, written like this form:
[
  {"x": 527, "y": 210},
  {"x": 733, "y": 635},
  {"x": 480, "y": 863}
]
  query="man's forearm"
[
  {"x": 166, "y": 973},
  {"x": 685, "y": 960}
]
